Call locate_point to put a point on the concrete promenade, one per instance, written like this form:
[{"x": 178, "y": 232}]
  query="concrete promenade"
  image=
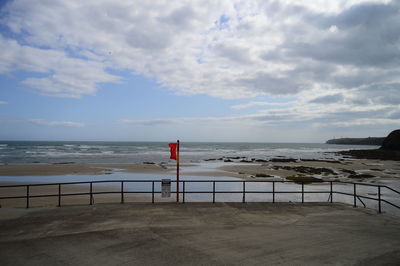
[{"x": 199, "y": 234}]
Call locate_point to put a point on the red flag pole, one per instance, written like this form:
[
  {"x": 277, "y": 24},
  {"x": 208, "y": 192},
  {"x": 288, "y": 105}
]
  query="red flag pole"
[{"x": 177, "y": 171}]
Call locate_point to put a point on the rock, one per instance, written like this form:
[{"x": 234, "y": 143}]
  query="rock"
[
  {"x": 317, "y": 160},
  {"x": 357, "y": 141},
  {"x": 307, "y": 170},
  {"x": 361, "y": 176},
  {"x": 263, "y": 175},
  {"x": 380, "y": 154},
  {"x": 392, "y": 141},
  {"x": 349, "y": 171},
  {"x": 390, "y": 149},
  {"x": 283, "y": 160},
  {"x": 304, "y": 179}
]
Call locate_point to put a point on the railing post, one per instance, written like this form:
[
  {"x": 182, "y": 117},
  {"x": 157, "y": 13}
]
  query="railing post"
[
  {"x": 27, "y": 196},
  {"x": 122, "y": 192},
  {"x": 91, "y": 193},
  {"x": 331, "y": 191},
  {"x": 59, "y": 195},
  {"x": 355, "y": 201},
  {"x": 273, "y": 191},
  {"x": 183, "y": 191},
  {"x": 152, "y": 192},
  {"x": 379, "y": 199},
  {"x": 244, "y": 192},
  {"x": 213, "y": 191},
  {"x": 302, "y": 191}
]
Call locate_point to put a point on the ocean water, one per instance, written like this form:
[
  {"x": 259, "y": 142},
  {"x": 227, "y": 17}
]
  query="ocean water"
[{"x": 28, "y": 152}]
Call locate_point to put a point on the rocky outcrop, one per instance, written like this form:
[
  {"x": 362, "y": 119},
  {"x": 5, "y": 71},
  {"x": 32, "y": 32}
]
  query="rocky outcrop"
[
  {"x": 392, "y": 141},
  {"x": 357, "y": 141},
  {"x": 390, "y": 149}
]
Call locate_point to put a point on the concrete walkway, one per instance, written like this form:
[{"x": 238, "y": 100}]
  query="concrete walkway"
[{"x": 199, "y": 234}]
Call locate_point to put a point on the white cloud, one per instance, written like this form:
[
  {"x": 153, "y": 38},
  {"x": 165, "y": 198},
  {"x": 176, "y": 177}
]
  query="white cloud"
[
  {"x": 63, "y": 76},
  {"x": 3, "y": 102},
  {"x": 44, "y": 122},
  {"x": 341, "y": 114},
  {"x": 226, "y": 49},
  {"x": 337, "y": 59}
]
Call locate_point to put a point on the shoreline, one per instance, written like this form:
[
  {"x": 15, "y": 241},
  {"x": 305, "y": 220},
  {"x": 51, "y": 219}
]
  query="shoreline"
[
  {"x": 364, "y": 171},
  {"x": 354, "y": 169}
]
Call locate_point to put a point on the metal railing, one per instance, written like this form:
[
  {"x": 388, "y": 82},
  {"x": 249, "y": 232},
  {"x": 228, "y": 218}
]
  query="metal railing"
[{"x": 122, "y": 191}]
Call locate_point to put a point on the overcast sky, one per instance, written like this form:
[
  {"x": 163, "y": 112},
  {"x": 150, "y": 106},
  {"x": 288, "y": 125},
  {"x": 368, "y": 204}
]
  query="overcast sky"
[{"x": 254, "y": 71}]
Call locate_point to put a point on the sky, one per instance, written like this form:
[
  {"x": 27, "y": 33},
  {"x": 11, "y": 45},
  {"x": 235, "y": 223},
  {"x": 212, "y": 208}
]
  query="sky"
[{"x": 234, "y": 70}]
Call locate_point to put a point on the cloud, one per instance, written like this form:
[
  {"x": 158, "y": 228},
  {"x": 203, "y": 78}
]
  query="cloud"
[
  {"x": 339, "y": 60},
  {"x": 44, "y": 122},
  {"x": 225, "y": 49},
  {"x": 3, "y": 102},
  {"x": 341, "y": 114},
  {"x": 361, "y": 122},
  {"x": 334, "y": 98},
  {"x": 62, "y": 76}
]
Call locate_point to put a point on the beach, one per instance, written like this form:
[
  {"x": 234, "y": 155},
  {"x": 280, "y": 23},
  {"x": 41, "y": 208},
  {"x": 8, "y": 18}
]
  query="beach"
[
  {"x": 63, "y": 162},
  {"x": 365, "y": 171},
  {"x": 380, "y": 170}
]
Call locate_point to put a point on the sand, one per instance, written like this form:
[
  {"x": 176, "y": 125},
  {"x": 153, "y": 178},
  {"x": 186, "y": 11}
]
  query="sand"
[
  {"x": 113, "y": 197},
  {"x": 381, "y": 170},
  {"x": 81, "y": 169}
]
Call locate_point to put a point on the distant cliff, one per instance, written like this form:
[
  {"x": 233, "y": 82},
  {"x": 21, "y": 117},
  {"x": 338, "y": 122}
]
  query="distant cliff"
[
  {"x": 357, "y": 141},
  {"x": 390, "y": 149}
]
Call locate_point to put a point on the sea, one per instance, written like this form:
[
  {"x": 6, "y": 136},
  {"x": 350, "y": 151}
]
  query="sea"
[{"x": 32, "y": 152}]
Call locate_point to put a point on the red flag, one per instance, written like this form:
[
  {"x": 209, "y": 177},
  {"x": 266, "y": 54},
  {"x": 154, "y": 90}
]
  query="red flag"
[{"x": 172, "y": 148}]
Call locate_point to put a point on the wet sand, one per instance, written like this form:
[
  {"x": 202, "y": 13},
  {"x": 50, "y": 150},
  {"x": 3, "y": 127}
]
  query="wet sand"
[
  {"x": 113, "y": 196},
  {"x": 79, "y": 169},
  {"x": 380, "y": 170}
]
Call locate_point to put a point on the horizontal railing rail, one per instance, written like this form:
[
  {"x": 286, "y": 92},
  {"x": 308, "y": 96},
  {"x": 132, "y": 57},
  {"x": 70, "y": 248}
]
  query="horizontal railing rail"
[{"x": 123, "y": 191}]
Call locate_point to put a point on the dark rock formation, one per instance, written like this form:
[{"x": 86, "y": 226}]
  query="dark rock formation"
[
  {"x": 260, "y": 161},
  {"x": 361, "y": 176},
  {"x": 306, "y": 170},
  {"x": 283, "y": 160},
  {"x": 379, "y": 154},
  {"x": 392, "y": 141},
  {"x": 390, "y": 149},
  {"x": 304, "y": 179},
  {"x": 317, "y": 160},
  {"x": 357, "y": 141}
]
